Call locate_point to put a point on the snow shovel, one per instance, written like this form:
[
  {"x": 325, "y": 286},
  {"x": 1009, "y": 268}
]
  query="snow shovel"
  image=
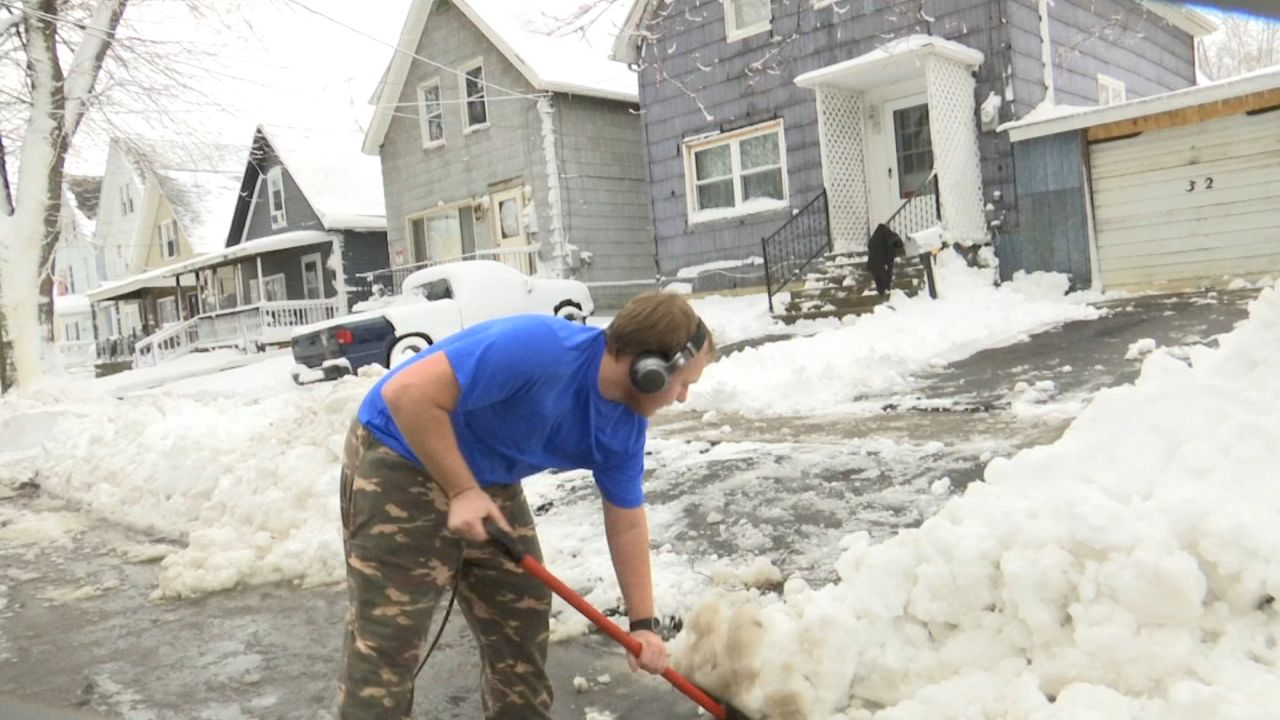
[{"x": 718, "y": 710}]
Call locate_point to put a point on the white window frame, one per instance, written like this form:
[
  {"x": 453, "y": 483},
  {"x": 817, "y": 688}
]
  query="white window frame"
[
  {"x": 275, "y": 180},
  {"x": 425, "y": 114},
  {"x": 467, "y": 127},
  {"x": 1108, "y": 90},
  {"x": 168, "y": 231},
  {"x": 126, "y": 199},
  {"x": 425, "y": 216},
  {"x": 733, "y": 33},
  {"x": 733, "y": 139}
]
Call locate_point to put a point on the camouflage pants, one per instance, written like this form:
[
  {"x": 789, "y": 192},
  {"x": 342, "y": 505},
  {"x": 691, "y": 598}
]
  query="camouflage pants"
[{"x": 401, "y": 563}]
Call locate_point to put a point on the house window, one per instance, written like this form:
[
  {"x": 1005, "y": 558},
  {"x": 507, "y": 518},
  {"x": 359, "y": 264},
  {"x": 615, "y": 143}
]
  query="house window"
[
  {"x": 430, "y": 114},
  {"x": 126, "y": 199},
  {"x": 168, "y": 232},
  {"x": 914, "y": 148},
  {"x": 275, "y": 197},
  {"x": 1110, "y": 90},
  {"x": 475, "y": 109},
  {"x": 737, "y": 174},
  {"x": 442, "y": 234},
  {"x": 743, "y": 18}
]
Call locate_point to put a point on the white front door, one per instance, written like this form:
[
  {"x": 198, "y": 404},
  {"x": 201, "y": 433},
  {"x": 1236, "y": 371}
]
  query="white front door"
[
  {"x": 312, "y": 279},
  {"x": 508, "y": 227},
  {"x": 899, "y": 157}
]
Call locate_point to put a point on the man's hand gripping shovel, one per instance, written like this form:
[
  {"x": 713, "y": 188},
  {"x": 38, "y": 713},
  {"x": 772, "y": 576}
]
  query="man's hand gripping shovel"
[{"x": 718, "y": 710}]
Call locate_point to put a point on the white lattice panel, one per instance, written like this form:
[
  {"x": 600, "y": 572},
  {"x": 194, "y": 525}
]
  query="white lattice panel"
[
  {"x": 843, "y": 167},
  {"x": 954, "y": 131}
]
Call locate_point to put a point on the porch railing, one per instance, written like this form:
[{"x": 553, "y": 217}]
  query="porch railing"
[
  {"x": 794, "y": 246},
  {"x": 245, "y": 327},
  {"x": 173, "y": 341},
  {"x": 920, "y": 210},
  {"x": 523, "y": 259}
]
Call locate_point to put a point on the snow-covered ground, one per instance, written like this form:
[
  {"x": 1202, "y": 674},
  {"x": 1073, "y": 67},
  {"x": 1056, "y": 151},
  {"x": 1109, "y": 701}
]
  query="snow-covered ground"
[
  {"x": 1085, "y": 557},
  {"x": 1128, "y": 570}
]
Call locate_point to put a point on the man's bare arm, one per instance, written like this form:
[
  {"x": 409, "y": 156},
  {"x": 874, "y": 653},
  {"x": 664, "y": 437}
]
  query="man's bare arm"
[
  {"x": 627, "y": 530},
  {"x": 420, "y": 399}
]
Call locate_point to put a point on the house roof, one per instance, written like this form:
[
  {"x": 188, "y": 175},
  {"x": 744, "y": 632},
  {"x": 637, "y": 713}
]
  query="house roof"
[
  {"x": 626, "y": 47},
  {"x": 162, "y": 277},
  {"x": 1187, "y": 19},
  {"x": 558, "y": 45},
  {"x": 342, "y": 185},
  {"x": 890, "y": 63},
  {"x": 201, "y": 181},
  {"x": 1052, "y": 120}
]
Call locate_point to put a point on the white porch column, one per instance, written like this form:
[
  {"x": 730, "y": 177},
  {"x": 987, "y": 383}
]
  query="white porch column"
[
  {"x": 262, "y": 287},
  {"x": 953, "y": 128},
  {"x": 840, "y": 137}
]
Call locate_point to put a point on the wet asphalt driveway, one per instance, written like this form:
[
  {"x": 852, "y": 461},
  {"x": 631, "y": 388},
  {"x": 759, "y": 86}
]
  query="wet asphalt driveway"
[{"x": 271, "y": 652}]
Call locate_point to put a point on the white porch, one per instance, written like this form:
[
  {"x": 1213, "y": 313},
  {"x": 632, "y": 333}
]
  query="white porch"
[
  {"x": 248, "y": 328},
  {"x": 226, "y": 299},
  {"x": 899, "y": 138}
]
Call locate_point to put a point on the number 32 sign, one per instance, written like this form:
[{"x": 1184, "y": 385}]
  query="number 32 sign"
[{"x": 1208, "y": 185}]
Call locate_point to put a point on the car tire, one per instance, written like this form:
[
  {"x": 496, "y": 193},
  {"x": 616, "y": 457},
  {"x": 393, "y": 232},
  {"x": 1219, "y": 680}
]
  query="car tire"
[
  {"x": 570, "y": 310},
  {"x": 405, "y": 348}
]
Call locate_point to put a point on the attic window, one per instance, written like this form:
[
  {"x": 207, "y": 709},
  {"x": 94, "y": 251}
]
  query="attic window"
[
  {"x": 475, "y": 109},
  {"x": 126, "y": 199},
  {"x": 275, "y": 197},
  {"x": 1110, "y": 90},
  {"x": 168, "y": 232},
  {"x": 743, "y": 18},
  {"x": 430, "y": 113}
]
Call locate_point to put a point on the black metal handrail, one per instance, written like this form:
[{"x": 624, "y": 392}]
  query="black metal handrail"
[
  {"x": 793, "y": 247},
  {"x": 922, "y": 189}
]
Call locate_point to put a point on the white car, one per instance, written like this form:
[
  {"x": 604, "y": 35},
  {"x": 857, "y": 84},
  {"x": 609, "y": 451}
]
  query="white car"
[{"x": 435, "y": 303}]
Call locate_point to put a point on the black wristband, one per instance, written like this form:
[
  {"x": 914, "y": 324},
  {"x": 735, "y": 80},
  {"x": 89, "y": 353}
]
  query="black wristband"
[{"x": 650, "y": 624}]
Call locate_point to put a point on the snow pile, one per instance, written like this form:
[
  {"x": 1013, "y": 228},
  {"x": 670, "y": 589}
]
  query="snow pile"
[
  {"x": 880, "y": 352},
  {"x": 250, "y": 482},
  {"x": 1128, "y": 570}
]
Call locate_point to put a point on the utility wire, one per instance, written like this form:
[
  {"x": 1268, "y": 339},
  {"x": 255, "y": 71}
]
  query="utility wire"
[{"x": 414, "y": 55}]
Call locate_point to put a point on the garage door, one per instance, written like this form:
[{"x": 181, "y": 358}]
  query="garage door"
[{"x": 1189, "y": 205}]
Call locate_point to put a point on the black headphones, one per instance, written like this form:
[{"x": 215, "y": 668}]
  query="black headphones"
[{"x": 651, "y": 371}]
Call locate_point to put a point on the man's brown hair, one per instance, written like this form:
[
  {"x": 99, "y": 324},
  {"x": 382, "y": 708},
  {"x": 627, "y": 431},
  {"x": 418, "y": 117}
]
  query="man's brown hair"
[{"x": 654, "y": 322}]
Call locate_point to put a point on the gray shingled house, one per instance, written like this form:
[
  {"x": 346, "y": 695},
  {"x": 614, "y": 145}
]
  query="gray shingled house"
[
  {"x": 506, "y": 132},
  {"x": 816, "y": 120}
]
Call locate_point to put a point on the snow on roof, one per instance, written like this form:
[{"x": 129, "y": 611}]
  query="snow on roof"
[
  {"x": 342, "y": 185},
  {"x": 889, "y": 63},
  {"x": 203, "y": 203},
  {"x": 201, "y": 181},
  {"x": 558, "y": 45},
  {"x": 163, "y": 276},
  {"x": 1050, "y": 120}
]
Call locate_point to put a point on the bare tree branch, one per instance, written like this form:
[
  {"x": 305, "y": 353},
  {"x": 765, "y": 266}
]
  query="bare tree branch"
[
  {"x": 88, "y": 59},
  {"x": 6, "y": 190}
]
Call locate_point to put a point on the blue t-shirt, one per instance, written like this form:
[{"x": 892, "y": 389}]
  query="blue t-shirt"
[{"x": 530, "y": 402}]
